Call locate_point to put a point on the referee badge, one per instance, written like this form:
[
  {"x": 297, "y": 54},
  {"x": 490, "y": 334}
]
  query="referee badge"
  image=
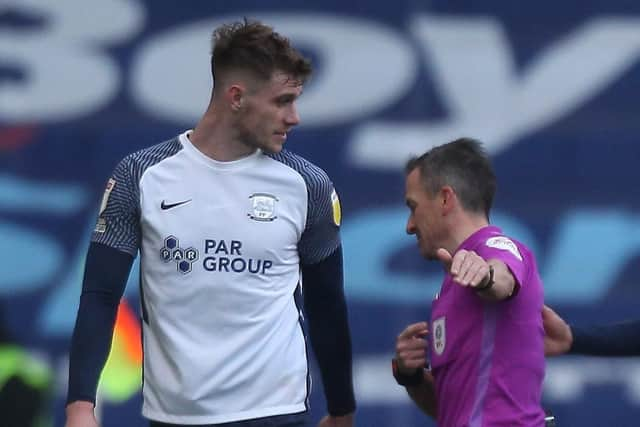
[{"x": 439, "y": 335}]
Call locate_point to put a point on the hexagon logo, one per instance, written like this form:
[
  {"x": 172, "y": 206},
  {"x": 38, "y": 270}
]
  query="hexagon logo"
[
  {"x": 171, "y": 242},
  {"x": 184, "y": 258},
  {"x": 184, "y": 267},
  {"x": 177, "y": 254}
]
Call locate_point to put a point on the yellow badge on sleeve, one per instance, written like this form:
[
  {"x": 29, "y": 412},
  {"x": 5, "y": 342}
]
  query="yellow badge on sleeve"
[{"x": 337, "y": 213}]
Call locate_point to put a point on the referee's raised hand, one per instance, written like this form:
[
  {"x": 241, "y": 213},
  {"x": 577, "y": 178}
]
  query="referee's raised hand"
[{"x": 467, "y": 268}]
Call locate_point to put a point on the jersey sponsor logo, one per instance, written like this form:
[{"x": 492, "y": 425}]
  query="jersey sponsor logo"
[
  {"x": 504, "y": 244},
  {"x": 184, "y": 258},
  {"x": 439, "y": 336},
  {"x": 337, "y": 211},
  {"x": 263, "y": 207},
  {"x": 164, "y": 205},
  {"x": 226, "y": 256}
]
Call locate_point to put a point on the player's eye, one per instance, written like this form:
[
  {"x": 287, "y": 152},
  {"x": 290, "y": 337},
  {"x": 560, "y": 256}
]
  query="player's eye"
[{"x": 285, "y": 100}]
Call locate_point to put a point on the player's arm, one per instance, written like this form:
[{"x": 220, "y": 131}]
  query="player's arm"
[
  {"x": 105, "y": 277},
  {"x": 326, "y": 310},
  {"x": 320, "y": 252},
  {"x": 113, "y": 246},
  {"x": 557, "y": 333},
  {"x": 408, "y": 368},
  {"x": 615, "y": 339}
]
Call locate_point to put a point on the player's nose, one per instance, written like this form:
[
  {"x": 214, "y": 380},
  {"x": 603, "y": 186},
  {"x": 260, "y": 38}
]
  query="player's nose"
[{"x": 292, "y": 118}]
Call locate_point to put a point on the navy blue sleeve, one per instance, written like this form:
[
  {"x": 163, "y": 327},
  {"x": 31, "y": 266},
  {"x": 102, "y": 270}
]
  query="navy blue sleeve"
[
  {"x": 105, "y": 277},
  {"x": 616, "y": 339},
  {"x": 328, "y": 325}
]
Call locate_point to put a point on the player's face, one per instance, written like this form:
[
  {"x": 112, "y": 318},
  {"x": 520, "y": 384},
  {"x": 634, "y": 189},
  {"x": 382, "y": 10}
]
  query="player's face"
[
  {"x": 269, "y": 112},
  {"x": 425, "y": 217}
]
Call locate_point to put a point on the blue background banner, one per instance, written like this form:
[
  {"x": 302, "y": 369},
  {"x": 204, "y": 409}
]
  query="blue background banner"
[{"x": 550, "y": 88}]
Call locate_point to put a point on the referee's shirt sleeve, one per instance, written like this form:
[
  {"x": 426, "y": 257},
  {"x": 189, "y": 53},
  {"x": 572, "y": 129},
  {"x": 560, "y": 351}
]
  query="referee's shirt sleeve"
[
  {"x": 114, "y": 244},
  {"x": 324, "y": 301}
]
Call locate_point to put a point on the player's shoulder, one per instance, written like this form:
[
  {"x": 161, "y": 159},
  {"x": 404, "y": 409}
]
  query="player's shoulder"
[
  {"x": 313, "y": 175},
  {"x": 155, "y": 153},
  {"x": 138, "y": 161}
]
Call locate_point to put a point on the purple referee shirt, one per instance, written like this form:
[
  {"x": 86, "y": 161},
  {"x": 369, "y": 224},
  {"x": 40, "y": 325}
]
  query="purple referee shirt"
[{"x": 487, "y": 357}]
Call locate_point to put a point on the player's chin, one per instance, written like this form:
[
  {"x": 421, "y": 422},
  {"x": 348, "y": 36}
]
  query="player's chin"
[{"x": 273, "y": 147}]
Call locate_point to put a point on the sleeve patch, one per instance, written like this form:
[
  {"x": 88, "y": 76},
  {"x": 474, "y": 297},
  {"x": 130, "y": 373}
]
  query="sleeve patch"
[
  {"x": 107, "y": 192},
  {"x": 101, "y": 225},
  {"x": 337, "y": 212},
  {"x": 504, "y": 244}
]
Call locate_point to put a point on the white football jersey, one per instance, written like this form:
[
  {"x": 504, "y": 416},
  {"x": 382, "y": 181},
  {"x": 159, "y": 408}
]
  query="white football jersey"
[{"x": 221, "y": 245}]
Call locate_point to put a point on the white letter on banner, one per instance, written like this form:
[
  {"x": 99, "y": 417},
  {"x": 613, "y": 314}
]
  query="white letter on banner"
[
  {"x": 363, "y": 67},
  {"x": 476, "y": 77},
  {"x": 65, "y": 74}
]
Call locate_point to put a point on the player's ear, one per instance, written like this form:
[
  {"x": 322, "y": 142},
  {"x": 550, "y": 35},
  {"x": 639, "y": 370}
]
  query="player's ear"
[{"x": 235, "y": 96}]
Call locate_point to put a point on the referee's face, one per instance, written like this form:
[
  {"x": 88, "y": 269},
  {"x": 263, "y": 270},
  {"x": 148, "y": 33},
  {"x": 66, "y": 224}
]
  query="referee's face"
[
  {"x": 424, "y": 217},
  {"x": 270, "y": 112}
]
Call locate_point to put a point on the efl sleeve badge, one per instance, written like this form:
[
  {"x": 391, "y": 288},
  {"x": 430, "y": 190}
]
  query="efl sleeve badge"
[
  {"x": 337, "y": 213},
  {"x": 107, "y": 192}
]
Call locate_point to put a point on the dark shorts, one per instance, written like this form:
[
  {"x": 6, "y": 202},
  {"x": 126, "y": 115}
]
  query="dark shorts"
[{"x": 291, "y": 420}]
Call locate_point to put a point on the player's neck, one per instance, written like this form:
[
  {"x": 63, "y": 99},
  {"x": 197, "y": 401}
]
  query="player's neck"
[{"x": 216, "y": 140}]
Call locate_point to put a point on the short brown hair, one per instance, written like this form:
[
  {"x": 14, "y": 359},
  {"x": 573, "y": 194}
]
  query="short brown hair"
[{"x": 257, "y": 48}]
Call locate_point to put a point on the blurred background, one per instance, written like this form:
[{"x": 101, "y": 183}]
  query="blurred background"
[{"x": 551, "y": 88}]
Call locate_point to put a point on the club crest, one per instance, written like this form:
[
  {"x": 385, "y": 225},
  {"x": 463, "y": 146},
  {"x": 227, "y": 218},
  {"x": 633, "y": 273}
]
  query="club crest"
[
  {"x": 439, "y": 336},
  {"x": 263, "y": 207}
]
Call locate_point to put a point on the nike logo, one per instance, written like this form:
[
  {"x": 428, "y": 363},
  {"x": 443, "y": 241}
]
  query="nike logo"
[{"x": 164, "y": 206}]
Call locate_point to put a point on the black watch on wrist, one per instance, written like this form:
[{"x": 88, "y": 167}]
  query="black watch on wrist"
[
  {"x": 490, "y": 283},
  {"x": 416, "y": 378}
]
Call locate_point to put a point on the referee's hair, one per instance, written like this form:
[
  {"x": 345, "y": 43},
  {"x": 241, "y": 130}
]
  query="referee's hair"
[{"x": 464, "y": 166}]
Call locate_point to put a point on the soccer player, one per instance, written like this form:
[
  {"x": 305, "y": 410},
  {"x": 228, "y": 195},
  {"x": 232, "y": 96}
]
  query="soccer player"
[
  {"x": 485, "y": 337},
  {"x": 614, "y": 339},
  {"x": 230, "y": 229}
]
